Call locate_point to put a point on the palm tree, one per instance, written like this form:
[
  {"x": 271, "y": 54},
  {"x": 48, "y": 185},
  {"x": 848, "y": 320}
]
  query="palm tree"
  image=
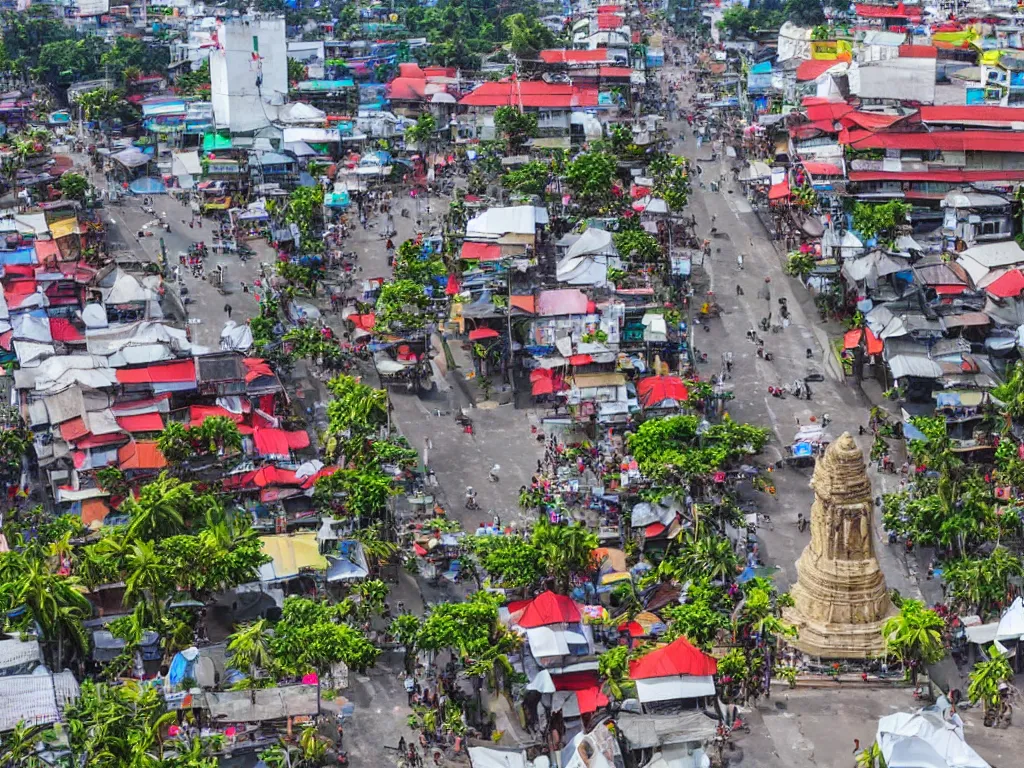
[
  {"x": 175, "y": 442},
  {"x": 147, "y": 578},
  {"x": 159, "y": 509},
  {"x": 57, "y": 605},
  {"x": 914, "y": 636},
  {"x": 220, "y": 434},
  {"x": 249, "y": 648},
  {"x": 19, "y": 746},
  {"x": 376, "y": 548}
]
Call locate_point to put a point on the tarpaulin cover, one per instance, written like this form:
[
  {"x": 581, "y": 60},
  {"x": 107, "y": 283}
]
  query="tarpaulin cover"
[
  {"x": 875, "y": 345},
  {"x": 483, "y": 333},
  {"x": 851, "y": 339},
  {"x": 677, "y": 658},
  {"x": 74, "y": 429},
  {"x": 823, "y": 169},
  {"x": 548, "y": 608},
  {"x": 656, "y": 389},
  {"x": 18, "y": 256},
  {"x": 364, "y": 322},
  {"x": 147, "y": 185},
  {"x": 98, "y": 441},
  {"x": 178, "y": 371},
  {"x": 144, "y": 422},
  {"x": 256, "y": 367}
]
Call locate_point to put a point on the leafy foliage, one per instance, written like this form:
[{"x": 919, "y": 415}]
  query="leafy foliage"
[
  {"x": 530, "y": 179},
  {"x": 671, "y": 447},
  {"x": 636, "y": 245},
  {"x": 591, "y": 177},
  {"x": 879, "y": 219},
  {"x": 517, "y": 126},
  {"x": 914, "y": 636}
]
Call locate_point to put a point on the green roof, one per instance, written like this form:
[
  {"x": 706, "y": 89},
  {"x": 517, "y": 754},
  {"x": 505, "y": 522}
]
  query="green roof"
[{"x": 213, "y": 141}]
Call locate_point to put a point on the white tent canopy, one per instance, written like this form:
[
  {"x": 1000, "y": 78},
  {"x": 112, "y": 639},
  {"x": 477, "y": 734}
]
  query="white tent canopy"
[
  {"x": 924, "y": 740},
  {"x": 674, "y": 687}
]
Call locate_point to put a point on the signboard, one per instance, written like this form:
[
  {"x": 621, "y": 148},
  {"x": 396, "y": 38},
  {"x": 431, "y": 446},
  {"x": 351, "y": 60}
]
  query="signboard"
[{"x": 830, "y": 50}]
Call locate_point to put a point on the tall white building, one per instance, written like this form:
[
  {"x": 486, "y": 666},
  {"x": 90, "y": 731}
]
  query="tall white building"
[{"x": 248, "y": 72}]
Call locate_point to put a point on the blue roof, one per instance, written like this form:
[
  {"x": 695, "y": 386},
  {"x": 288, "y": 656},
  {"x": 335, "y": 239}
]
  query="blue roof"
[{"x": 19, "y": 256}]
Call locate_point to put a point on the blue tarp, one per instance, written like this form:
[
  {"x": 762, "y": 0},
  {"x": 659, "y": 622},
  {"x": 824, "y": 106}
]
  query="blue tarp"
[
  {"x": 19, "y": 256},
  {"x": 147, "y": 185},
  {"x": 803, "y": 449}
]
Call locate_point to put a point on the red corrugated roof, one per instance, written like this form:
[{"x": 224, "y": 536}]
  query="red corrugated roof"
[
  {"x": 918, "y": 52},
  {"x": 525, "y": 302},
  {"x": 165, "y": 373},
  {"x": 143, "y": 422},
  {"x": 199, "y": 413},
  {"x": 609, "y": 21},
  {"x": 530, "y": 93},
  {"x": 407, "y": 89},
  {"x": 74, "y": 429},
  {"x": 812, "y": 69},
  {"x": 615, "y": 72},
  {"x": 677, "y": 658},
  {"x": 887, "y": 11},
  {"x": 823, "y": 169},
  {"x": 947, "y": 141},
  {"x": 46, "y": 249},
  {"x": 657, "y": 389},
  {"x": 871, "y": 121},
  {"x": 974, "y": 114},
  {"x": 141, "y": 455},
  {"x": 827, "y": 112},
  {"x": 952, "y": 176},
  {"x": 564, "y": 56},
  {"x": 481, "y": 251},
  {"x": 98, "y": 441}
]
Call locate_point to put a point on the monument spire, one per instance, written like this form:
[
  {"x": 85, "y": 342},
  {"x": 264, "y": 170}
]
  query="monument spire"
[{"x": 840, "y": 595}]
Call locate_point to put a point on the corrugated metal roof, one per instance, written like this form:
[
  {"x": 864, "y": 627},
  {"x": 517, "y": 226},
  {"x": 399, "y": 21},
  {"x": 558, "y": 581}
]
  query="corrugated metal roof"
[
  {"x": 955, "y": 141},
  {"x": 531, "y": 93}
]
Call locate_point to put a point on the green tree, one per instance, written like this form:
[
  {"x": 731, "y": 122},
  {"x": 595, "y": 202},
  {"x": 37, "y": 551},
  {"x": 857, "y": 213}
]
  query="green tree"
[
  {"x": 530, "y": 179},
  {"x": 613, "y": 668},
  {"x": 880, "y": 220},
  {"x": 805, "y": 13},
  {"x": 987, "y": 677},
  {"x": 591, "y": 177},
  {"x": 296, "y": 71},
  {"x": 195, "y": 83},
  {"x": 526, "y": 35},
  {"x": 914, "y": 636},
  {"x": 637, "y": 246},
  {"x": 566, "y": 550},
  {"x": 424, "y": 131},
  {"x": 516, "y": 126},
  {"x": 74, "y": 186},
  {"x": 249, "y": 649},
  {"x": 106, "y": 106}
]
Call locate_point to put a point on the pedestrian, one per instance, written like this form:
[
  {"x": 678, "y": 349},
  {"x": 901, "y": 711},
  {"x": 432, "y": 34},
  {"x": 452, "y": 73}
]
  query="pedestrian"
[
  {"x": 410, "y": 688},
  {"x": 341, "y": 734},
  {"x": 739, "y": 289},
  {"x": 739, "y": 260},
  {"x": 728, "y": 363},
  {"x": 227, "y": 309}
]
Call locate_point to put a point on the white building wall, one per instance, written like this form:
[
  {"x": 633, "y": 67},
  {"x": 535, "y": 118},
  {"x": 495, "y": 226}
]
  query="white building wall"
[{"x": 239, "y": 104}]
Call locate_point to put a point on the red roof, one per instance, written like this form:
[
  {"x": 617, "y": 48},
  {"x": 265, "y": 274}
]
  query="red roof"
[
  {"x": 74, "y": 429},
  {"x": 141, "y": 455},
  {"x": 255, "y": 367},
  {"x": 952, "y": 176},
  {"x": 676, "y": 658},
  {"x": 197, "y": 414},
  {"x": 823, "y": 169},
  {"x": 887, "y": 11},
  {"x": 549, "y": 608},
  {"x": 615, "y": 72},
  {"x": 589, "y": 699},
  {"x": 812, "y": 69},
  {"x": 530, "y": 93},
  {"x": 918, "y": 52},
  {"x": 364, "y": 322},
  {"x": 779, "y": 191},
  {"x": 947, "y": 141},
  {"x": 143, "y": 422},
  {"x": 481, "y": 251},
  {"x": 870, "y": 120},
  {"x": 46, "y": 249},
  {"x": 1009, "y": 284},
  {"x": 654, "y": 529},
  {"x": 657, "y": 389},
  {"x": 161, "y": 373},
  {"x": 563, "y": 56},
  {"x": 483, "y": 333},
  {"x": 98, "y": 441},
  {"x": 278, "y": 442},
  {"x": 407, "y": 89},
  {"x": 61, "y": 329},
  {"x": 575, "y": 681},
  {"x": 974, "y": 114},
  {"x": 609, "y": 21}
]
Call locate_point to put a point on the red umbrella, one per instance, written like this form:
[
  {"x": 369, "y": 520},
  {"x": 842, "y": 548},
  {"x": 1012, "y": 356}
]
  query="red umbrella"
[{"x": 483, "y": 333}]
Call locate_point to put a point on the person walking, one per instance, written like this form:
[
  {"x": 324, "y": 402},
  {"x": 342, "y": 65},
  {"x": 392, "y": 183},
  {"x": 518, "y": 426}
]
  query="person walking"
[{"x": 227, "y": 309}]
